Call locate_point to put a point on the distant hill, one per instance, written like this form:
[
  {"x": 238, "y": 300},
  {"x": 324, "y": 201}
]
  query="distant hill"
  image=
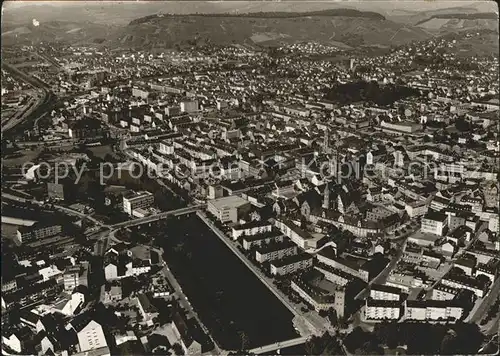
[
  {"x": 272, "y": 15},
  {"x": 482, "y": 43},
  {"x": 348, "y": 27},
  {"x": 133, "y": 26},
  {"x": 453, "y": 22},
  {"x": 415, "y": 17},
  {"x": 461, "y": 16}
]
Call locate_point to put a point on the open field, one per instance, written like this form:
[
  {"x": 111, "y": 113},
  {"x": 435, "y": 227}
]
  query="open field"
[{"x": 21, "y": 157}]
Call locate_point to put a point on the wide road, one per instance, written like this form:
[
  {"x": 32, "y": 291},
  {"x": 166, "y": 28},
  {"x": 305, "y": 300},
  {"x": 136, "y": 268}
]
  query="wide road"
[
  {"x": 79, "y": 214},
  {"x": 156, "y": 217},
  {"x": 279, "y": 345}
]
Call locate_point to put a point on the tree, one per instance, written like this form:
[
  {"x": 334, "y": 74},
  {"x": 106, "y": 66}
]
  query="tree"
[
  {"x": 244, "y": 340},
  {"x": 449, "y": 343},
  {"x": 309, "y": 346}
]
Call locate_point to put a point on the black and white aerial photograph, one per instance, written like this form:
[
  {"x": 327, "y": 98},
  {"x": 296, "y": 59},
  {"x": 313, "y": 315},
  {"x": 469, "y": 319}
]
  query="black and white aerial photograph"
[{"x": 250, "y": 178}]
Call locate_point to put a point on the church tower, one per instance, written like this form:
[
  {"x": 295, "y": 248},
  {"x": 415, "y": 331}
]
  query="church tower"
[
  {"x": 326, "y": 197},
  {"x": 335, "y": 166}
]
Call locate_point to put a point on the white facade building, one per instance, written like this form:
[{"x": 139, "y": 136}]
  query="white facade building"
[
  {"x": 137, "y": 200},
  {"x": 91, "y": 337}
]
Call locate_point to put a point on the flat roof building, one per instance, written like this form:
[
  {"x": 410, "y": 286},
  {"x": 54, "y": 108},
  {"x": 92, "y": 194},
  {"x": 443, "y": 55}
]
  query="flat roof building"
[
  {"x": 137, "y": 200},
  {"x": 228, "y": 209}
]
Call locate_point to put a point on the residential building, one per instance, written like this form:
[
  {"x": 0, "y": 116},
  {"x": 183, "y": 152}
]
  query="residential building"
[
  {"x": 75, "y": 276},
  {"x": 37, "y": 231},
  {"x": 435, "y": 223},
  {"x": 302, "y": 238},
  {"x": 189, "y": 106},
  {"x": 274, "y": 236},
  {"x": 384, "y": 292},
  {"x": 90, "y": 336},
  {"x": 9, "y": 285},
  {"x": 251, "y": 228},
  {"x": 462, "y": 281},
  {"x": 182, "y": 327},
  {"x": 147, "y": 310},
  {"x": 443, "y": 292},
  {"x": 320, "y": 299},
  {"x": 437, "y": 310},
  {"x": 137, "y": 200},
  {"x": 112, "y": 294},
  {"x": 275, "y": 251},
  {"x": 466, "y": 263},
  {"x": 334, "y": 275},
  {"x": 382, "y": 309},
  {"x": 342, "y": 264}
]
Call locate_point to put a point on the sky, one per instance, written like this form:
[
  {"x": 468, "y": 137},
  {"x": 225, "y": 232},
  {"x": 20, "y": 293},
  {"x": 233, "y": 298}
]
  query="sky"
[
  {"x": 122, "y": 12},
  {"x": 410, "y": 5}
]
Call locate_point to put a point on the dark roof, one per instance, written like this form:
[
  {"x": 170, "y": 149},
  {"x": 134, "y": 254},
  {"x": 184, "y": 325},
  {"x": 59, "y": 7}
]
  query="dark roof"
[
  {"x": 155, "y": 340},
  {"x": 146, "y": 303},
  {"x": 336, "y": 271},
  {"x": 29, "y": 316},
  {"x": 383, "y": 303},
  {"x": 467, "y": 261},
  {"x": 271, "y": 234},
  {"x": 385, "y": 288},
  {"x": 278, "y": 246},
  {"x": 85, "y": 123},
  {"x": 81, "y": 321},
  {"x": 431, "y": 303},
  {"x": 251, "y": 224},
  {"x": 180, "y": 321},
  {"x": 36, "y": 226},
  {"x": 436, "y": 216},
  {"x": 328, "y": 252},
  {"x": 291, "y": 259},
  {"x": 460, "y": 231},
  {"x": 131, "y": 347}
]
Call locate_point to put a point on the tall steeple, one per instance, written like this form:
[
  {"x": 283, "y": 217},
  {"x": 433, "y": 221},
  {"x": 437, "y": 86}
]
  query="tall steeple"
[
  {"x": 335, "y": 165},
  {"x": 326, "y": 142}
]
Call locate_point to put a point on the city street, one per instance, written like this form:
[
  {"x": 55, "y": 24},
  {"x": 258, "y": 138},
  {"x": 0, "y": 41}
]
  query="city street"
[{"x": 381, "y": 278}]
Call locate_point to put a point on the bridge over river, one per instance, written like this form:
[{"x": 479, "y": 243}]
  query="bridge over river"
[{"x": 279, "y": 345}]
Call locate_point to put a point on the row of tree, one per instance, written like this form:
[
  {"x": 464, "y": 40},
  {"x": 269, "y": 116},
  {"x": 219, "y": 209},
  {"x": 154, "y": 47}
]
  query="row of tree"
[
  {"x": 369, "y": 92},
  {"x": 419, "y": 338}
]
